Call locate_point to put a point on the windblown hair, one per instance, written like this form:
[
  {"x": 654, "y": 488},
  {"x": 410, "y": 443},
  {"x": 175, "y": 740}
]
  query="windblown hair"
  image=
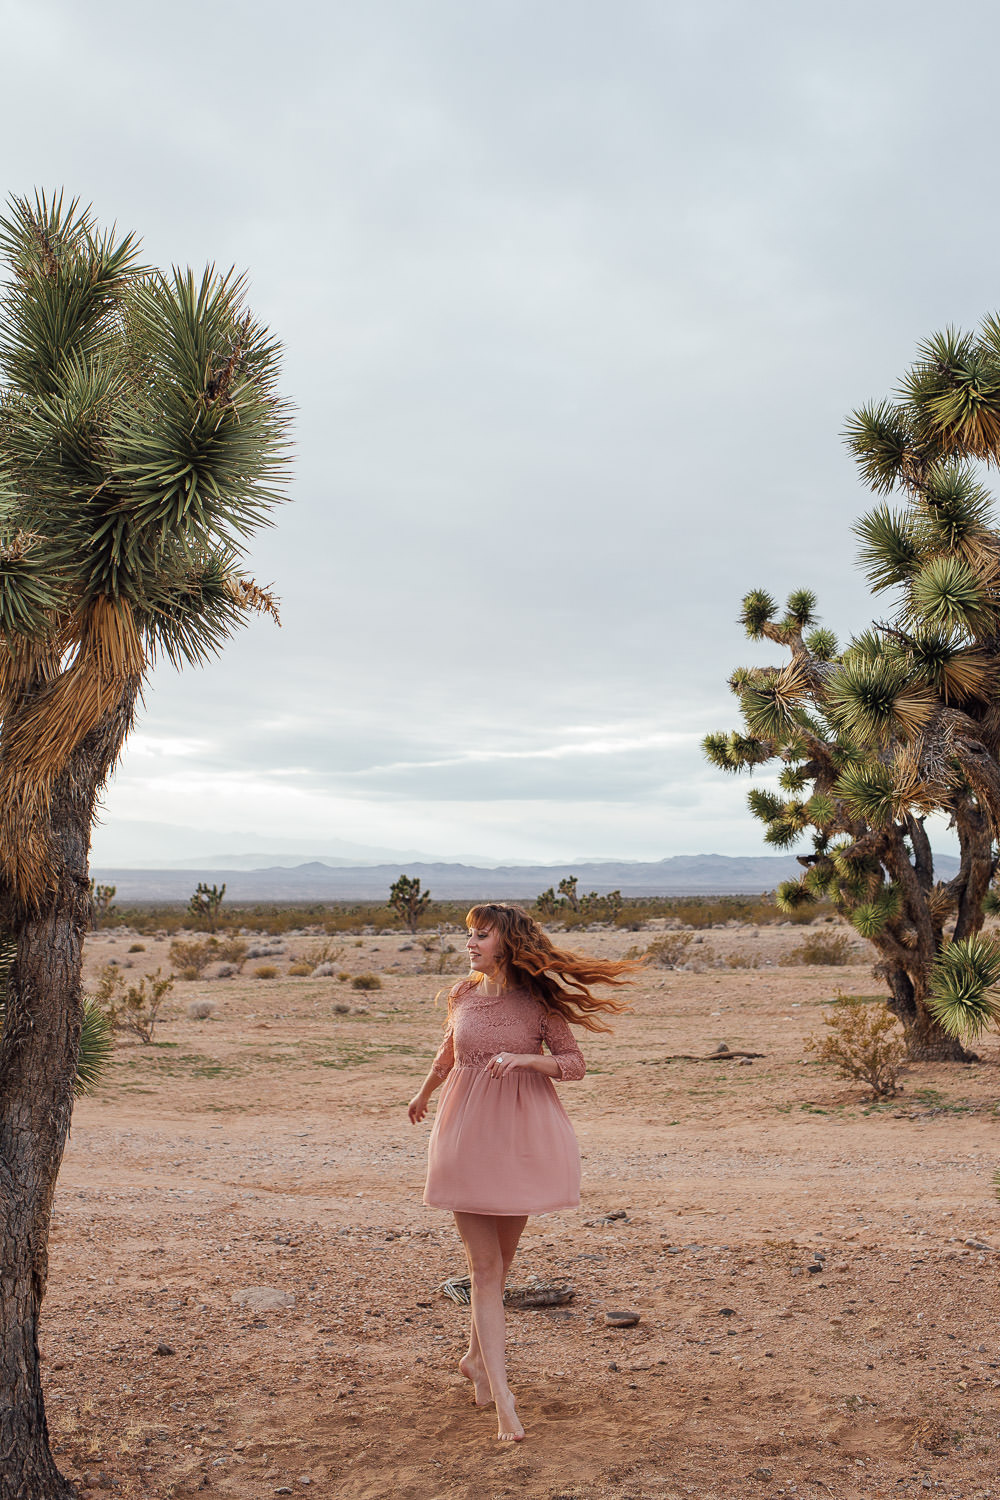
[{"x": 558, "y": 977}]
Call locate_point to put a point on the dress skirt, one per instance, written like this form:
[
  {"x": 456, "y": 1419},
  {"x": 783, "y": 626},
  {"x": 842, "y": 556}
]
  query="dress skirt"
[{"x": 501, "y": 1146}]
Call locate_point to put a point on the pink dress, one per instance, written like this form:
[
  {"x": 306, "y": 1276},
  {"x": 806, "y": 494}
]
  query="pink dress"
[{"x": 502, "y": 1145}]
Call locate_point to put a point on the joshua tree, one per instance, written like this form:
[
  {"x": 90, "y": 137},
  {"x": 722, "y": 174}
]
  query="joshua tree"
[
  {"x": 909, "y": 715},
  {"x": 567, "y": 889},
  {"x": 406, "y": 901},
  {"x": 141, "y": 441},
  {"x": 103, "y": 897},
  {"x": 204, "y": 904},
  {"x": 870, "y": 854}
]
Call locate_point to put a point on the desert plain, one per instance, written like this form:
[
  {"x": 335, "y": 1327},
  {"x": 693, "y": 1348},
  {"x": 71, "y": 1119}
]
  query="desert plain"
[{"x": 244, "y": 1296}]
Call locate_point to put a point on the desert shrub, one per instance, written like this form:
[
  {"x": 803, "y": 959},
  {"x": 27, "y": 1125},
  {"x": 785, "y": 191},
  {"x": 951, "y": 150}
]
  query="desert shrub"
[
  {"x": 323, "y": 953},
  {"x": 137, "y": 948},
  {"x": 325, "y": 971},
  {"x": 231, "y": 950},
  {"x": 191, "y": 958},
  {"x": 366, "y": 982},
  {"x": 740, "y": 958},
  {"x": 266, "y": 971},
  {"x": 343, "y": 976},
  {"x": 299, "y": 970},
  {"x": 266, "y": 950},
  {"x": 670, "y": 950},
  {"x": 201, "y": 1010},
  {"x": 863, "y": 1041},
  {"x": 820, "y": 948},
  {"x": 438, "y": 951},
  {"x": 134, "y": 1007}
]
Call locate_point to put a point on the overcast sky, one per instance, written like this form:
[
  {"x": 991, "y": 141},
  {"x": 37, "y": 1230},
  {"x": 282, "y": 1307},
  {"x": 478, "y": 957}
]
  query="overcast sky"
[{"x": 575, "y": 297}]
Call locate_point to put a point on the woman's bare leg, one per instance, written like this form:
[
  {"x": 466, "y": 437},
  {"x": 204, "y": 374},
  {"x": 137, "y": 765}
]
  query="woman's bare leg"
[
  {"x": 481, "y": 1235},
  {"x": 472, "y": 1364}
]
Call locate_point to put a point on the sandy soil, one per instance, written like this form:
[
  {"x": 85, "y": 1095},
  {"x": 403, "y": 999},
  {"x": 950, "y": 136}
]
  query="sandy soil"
[{"x": 818, "y": 1305}]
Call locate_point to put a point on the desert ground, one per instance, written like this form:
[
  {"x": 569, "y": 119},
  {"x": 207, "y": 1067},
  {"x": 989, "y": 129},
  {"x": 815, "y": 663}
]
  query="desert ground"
[{"x": 244, "y": 1296}]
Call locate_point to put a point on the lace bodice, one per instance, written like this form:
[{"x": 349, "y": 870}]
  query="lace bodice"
[{"x": 483, "y": 1025}]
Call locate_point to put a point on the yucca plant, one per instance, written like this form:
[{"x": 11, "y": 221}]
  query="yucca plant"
[
  {"x": 850, "y": 790},
  {"x": 906, "y": 721},
  {"x": 142, "y": 441}
]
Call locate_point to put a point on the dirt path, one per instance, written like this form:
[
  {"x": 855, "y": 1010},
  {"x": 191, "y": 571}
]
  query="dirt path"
[{"x": 818, "y": 1310}]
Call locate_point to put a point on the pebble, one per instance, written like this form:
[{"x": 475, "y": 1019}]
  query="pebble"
[
  {"x": 621, "y": 1319},
  {"x": 164, "y": 1349}
]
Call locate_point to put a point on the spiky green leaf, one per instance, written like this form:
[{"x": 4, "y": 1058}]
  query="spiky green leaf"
[{"x": 962, "y": 996}]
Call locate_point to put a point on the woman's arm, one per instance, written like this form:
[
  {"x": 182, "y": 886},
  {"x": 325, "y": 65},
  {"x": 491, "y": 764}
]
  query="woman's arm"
[
  {"x": 529, "y": 1062},
  {"x": 440, "y": 1068},
  {"x": 417, "y": 1107}
]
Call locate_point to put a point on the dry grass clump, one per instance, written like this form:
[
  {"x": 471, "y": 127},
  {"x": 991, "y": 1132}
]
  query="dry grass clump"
[
  {"x": 137, "y": 948},
  {"x": 366, "y": 982},
  {"x": 266, "y": 971},
  {"x": 300, "y": 971},
  {"x": 820, "y": 948},
  {"x": 863, "y": 1041}
]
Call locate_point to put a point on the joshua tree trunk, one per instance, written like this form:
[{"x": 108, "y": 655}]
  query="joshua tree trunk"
[
  {"x": 926, "y": 1040},
  {"x": 38, "y": 1052}
]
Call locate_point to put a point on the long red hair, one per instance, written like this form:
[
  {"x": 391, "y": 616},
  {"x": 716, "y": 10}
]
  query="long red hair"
[{"x": 558, "y": 977}]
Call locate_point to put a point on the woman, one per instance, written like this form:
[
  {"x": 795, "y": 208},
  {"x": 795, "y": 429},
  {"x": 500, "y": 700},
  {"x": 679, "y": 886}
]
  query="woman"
[{"x": 502, "y": 1147}]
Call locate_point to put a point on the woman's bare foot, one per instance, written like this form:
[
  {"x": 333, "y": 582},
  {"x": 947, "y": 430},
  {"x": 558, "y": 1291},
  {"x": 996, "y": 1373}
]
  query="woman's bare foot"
[
  {"x": 509, "y": 1429},
  {"x": 477, "y": 1375}
]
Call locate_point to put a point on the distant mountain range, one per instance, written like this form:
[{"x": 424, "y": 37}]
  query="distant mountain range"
[{"x": 682, "y": 875}]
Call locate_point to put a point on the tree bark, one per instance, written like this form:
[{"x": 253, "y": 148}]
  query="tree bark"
[
  {"x": 38, "y": 1053},
  {"x": 926, "y": 1039}
]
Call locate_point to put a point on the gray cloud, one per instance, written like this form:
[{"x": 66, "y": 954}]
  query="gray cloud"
[{"x": 573, "y": 316}]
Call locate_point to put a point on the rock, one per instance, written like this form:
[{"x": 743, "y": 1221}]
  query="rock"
[
  {"x": 721, "y": 1050},
  {"x": 815, "y": 1268},
  {"x": 165, "y": 1349},
  {"x": 978, "y": 1245},
  {"x": 263, "y": 1298},
  {"x": 621, "y": 1319},
  {"x": 727, "y": 1312},
  {"x": 763, "y": 1472}
]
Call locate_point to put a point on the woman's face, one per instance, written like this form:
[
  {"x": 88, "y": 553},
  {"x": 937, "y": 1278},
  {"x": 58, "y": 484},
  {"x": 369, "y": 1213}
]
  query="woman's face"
[{"x": 484, "y": 949}]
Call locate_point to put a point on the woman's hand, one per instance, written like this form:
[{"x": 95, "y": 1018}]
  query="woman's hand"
[
  {"x": 417, "y": 1108},
  {"x": 505, "y": 1063}
]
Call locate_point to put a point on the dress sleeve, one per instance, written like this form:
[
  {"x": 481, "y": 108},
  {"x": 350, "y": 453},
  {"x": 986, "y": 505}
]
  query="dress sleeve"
[
  {"x": 444, "y": 1059},
  {"x": 562, "y": 1044}
]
